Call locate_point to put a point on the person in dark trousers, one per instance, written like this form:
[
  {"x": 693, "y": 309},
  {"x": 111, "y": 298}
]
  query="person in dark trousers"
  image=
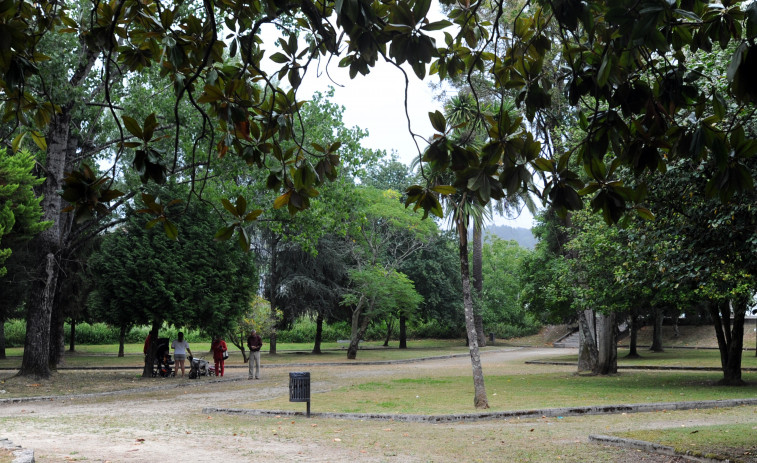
[
  {"x": 254, "y": 343},
  {"x": 218, "y": 346}
]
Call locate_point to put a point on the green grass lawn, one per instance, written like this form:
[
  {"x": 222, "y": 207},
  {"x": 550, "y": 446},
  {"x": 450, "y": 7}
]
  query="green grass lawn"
[
  {"x": 735, "y": 442},
  {"x": 452, "y": 394}
]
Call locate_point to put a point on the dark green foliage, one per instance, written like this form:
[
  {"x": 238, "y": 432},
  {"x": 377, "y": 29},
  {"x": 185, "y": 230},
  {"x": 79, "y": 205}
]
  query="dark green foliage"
[
  {"x": 141, "y": 275},
  {"x": 434, "y": 270},
  {"x": 311, "y": 284}
]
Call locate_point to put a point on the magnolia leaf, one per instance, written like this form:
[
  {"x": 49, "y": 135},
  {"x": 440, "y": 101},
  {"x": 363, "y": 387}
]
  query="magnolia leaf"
[
  {"x": 133, "y": 126},
  {"x": 229, "y": 207},
  {"x": 172, "y": 231},
  {"x": 224, "y": 234},
  {"x": 438, "y": 121},
  {"x": 282, "y": 200},
  {"x": 253, "y": 215},
  {"x": 445, "y": 189}
]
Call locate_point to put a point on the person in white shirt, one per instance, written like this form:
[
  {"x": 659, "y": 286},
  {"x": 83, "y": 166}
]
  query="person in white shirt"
[{"x": 180, "y": 348}]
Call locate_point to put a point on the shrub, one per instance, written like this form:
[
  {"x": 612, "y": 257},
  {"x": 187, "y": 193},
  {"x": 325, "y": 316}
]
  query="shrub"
[
  {"x": 94, "y": 334},
  {"x": 303, "y": 331},
  {"x": 434, "y": 329},
  {"x": 15, "y": 333}
]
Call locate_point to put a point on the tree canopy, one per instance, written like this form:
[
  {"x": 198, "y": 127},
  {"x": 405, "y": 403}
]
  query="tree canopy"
[{"x": 20, "y": 211}]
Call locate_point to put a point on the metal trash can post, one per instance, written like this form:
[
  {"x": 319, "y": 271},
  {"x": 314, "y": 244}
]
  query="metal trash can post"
[{"x": 299, "y": 388}]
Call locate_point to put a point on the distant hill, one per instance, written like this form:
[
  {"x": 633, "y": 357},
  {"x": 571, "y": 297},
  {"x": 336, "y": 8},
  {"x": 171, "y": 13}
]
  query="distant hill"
[{"x": 523, "y": 236}]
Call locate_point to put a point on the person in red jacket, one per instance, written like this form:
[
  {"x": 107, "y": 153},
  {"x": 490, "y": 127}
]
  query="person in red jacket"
[{"x": 218, "y": 346}]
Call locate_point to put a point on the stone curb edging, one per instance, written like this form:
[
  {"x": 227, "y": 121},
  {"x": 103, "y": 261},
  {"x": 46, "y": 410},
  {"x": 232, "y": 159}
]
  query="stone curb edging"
[
  {"x": 21, "y": 455},
  {"x": 517, "y": 414},
  {"x": 650, "y": 447},
  {"x": 641, "y": 367}
]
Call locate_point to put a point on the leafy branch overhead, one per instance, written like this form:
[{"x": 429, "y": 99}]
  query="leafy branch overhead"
[
  {"x": 240, "y": 216},
  {"x": 630, "y": 72}
]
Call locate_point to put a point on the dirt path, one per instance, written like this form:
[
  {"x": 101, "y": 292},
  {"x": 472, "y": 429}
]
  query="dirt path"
[{"x": 168, "y": 425}]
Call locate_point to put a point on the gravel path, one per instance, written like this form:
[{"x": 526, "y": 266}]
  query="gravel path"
[{"x": 168, "y": 424}]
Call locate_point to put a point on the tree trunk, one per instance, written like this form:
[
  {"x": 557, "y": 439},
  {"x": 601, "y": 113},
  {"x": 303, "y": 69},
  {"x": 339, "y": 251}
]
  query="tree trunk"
[
  {"x": 35, "y": 362},
  {"x": 121, "y": 340},
  {"x": 272, "y": 340},
  {"x": 72, "y": 336},
  {"x": 403, "y": 332},
  {"x": 607, "y": 345},
  {"x": 2, "y": 340},
  {"x": 318, "y": 333},
  {"x": 480, "y": 400},
  {"x": 57, "y": 337},
  {"x": 478, "y": 280},
  {"x": 633, "y": 352},
  {"x": 389, "y": 330},
  {"x": 587, "y": 343},
  {"x": 657, "y": 333},
  {"x": 42, "y": 294},
  {"x": 359, "y": 327},
  {"x": 150, "y": 355},
  {"x": 730, "y": 339}
]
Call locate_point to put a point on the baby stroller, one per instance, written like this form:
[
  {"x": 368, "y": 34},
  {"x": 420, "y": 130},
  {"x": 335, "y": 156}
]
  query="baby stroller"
[
  {"x": 162, "y": 366},
  {"x": 199, "y": 367}
]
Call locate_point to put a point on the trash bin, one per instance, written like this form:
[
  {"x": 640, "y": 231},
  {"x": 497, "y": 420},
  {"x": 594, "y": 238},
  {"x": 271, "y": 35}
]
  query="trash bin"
[{"x": 299, "y": 388}]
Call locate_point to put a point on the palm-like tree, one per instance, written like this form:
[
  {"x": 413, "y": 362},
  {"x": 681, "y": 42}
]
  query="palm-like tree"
[{"x": 467, "y": 119}]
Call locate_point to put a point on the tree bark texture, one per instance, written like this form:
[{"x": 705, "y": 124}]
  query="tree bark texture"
[
  {"x": 272, "y": 337},
  {"x": 633, "y": 352},
  {"x": 478, "y": 279},
  {"x": 607, "y": 345},
  {"x": 121, "y": 340},
  {"x": 2, "y": 339},
  {"x": 359, "y": 327},
  {"x": 72, "y": 336},
  {"x": 36, "y": 360},
  {"x": 403, "y": 332},
  {"x": 480, "y": 400},
  {"x": 730, "y": 339},
  {"x": 318, "y": 333},
  {"x": 587, "y": 343},
  {"x": 57, "y": 334},
  {"x": 657, "y": 333},
  {"x": 389, "y": 330}
]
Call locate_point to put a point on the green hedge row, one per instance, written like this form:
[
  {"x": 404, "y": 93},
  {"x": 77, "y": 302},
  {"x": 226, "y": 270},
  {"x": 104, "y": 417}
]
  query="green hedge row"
[
  {"x": 302, "y": 331},
  {"x": 96, "y": 334}
]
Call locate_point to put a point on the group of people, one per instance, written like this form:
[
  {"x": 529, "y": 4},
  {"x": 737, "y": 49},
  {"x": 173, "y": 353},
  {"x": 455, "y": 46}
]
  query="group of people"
[{"x": 219, "y": 349}]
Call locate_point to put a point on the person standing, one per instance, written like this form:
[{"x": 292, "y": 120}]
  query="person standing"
[
  {"x": 218, "y": 346},
  {"x": 180, "y": 348},
  {"x": 254, "y": 342}
]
